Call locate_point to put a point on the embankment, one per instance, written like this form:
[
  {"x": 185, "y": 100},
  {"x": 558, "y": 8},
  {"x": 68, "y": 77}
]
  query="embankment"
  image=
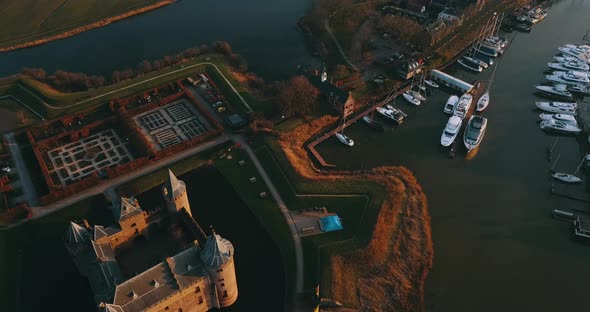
[
  {"x": 388, "y": 273},
  {"x": 77, "y": 30}
]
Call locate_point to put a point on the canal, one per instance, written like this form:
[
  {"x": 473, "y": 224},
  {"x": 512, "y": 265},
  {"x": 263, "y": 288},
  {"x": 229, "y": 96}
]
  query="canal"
[
  {"x": 263, "y": 31},
  {"x": 496, "y": 246}
]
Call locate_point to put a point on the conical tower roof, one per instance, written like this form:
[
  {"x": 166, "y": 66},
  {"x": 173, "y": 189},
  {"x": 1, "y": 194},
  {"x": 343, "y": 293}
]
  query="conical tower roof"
[
  {"x": 175, "y": 186},
  {"x": 217, "y": 251},
  {"x": 77, "y": 234},
  {"x": 126, "y": 208}
]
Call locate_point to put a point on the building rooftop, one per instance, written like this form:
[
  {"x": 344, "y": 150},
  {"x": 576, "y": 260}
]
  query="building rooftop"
[
  {"x": 77, "y": 234},
  {"x": 217, "y": 251}
]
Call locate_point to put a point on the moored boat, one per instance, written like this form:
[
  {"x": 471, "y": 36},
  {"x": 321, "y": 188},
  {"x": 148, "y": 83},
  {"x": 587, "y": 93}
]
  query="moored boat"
[
  {"x": 451, "y": 131},
  {"x": 450, "y": 105},
  {"x": 568, "y": 119},
  {"x": 483, "y": 102},
  {"x": 570, "y": 77},
  {"x": 558, "y": 107},
  {"x": 571, "y": 65},
  {"x": 474, "y": 132},
  {"x": 344, "y": 139},
  {"x": 431, "y": 83},
  {"x": 417, "y": 95},
  {"x": 559, "y": 126},
  {"x": 410, "y": 98},
  {"x": 469, "y": 65},
  {"x": 559, "y": 90},
  {"x": 566, "y": 177},
  {"x": 463, "y": 105}
]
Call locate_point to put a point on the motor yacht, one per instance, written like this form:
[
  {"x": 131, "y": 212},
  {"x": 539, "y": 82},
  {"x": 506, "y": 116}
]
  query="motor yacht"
[
  {"x": 474, "y": 132},
  {"x": 559, "y": 126},
  {"x": 558, "y": 107},
  {"x": 558, "y": 90},
  {"x": 463, "y": 106},
  {"x": 410, "y": 98},
  {"x": 451, "y": 102},
  {"x": 451, "y": 131},
  {"x": 568, "y": 119},
  {"x": 569, "y": 77},
  {"x": 569, "y": 65}
]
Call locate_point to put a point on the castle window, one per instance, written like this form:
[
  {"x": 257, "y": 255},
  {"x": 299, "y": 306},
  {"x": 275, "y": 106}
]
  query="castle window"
[
  {"x": 224, "y": 293},
  {"x": 200, "y": 299},
  {"x": 220, "y": 270},
  {"x": 222, "y": 284},
  {"x": 198, "y": 289},
  {"x": 133, "y": 224},
  {"x": 221, "y": 280}
]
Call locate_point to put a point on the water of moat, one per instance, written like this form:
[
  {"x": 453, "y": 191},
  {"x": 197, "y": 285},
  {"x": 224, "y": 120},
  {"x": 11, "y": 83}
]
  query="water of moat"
[
  {"x": 496, "y": 247},
  {"x": 49, "y": 275}
]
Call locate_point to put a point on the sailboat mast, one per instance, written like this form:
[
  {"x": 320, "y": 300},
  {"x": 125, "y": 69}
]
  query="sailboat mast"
[{"x": 579, "y": 165}]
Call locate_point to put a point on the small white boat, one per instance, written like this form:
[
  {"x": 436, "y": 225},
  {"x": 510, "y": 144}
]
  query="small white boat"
[
  {"x": 566, "y": 177},
  {"x": 558, "y": 107},
  {"x": 344, "y": 139},
  {"x": 568, "y": 119},
  {"x": 417, "y": 95},
  {"x": 571, "y": 65},
  {"x": 558, "y": 90},
  {"x": 474, "y": 132},
  {"x": 431, "y": 83},
  {"x": 473, "y": 67},
  {"x": 410, "y": 98},
  {"x": 463, "y": 106},
  {"x": 451, "y": 102},
  {"x": 451, "y": 130},
  {"x": 559, "y": 126},
  {"x": 483, "y": 102}
]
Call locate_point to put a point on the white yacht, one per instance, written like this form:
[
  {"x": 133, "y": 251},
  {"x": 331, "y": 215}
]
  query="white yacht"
[
  {"x": 497, "y": 40},
  {"x": 451, "y": 102},
  {"x": 558, "y": 107},
  {"x": 344, "y": 139},
  {"x": 451, "y": 131},
  {"x": 559, "y": 126},
  {"x": 579, "y": 89},
  {"x": 566, "y": 177},
  {"x": 417, "y": 95},
  {"x": 568, "y": 119},
  {"x": 410, "y": 98},
  {"x": 463, "y": 106},
  {"x": 392, "y": 113},
  {"x": 483, "y": 102},
  {"x": 431, "y": 83},
  {"x": 565, "y": 59},
  {"x": 571, "y": 65},
  {"x": 558, "y": 90},
  {"x": 474, "y": 132},
  {"x": 577, "y": 52},
  {"x": 569, "y": 77}
]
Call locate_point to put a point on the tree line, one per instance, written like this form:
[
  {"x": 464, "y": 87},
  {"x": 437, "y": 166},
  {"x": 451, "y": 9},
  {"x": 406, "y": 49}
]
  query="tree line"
[{"x": 76, "y": 82}]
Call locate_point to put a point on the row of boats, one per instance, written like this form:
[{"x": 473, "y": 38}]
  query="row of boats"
[
  {"x": 458, "y": 107},
  {"x": 570, "y": 79},
  {"x": 524, "y": 18},
  {"x": 412, "y": 96},
  {"x": 571, "y": 75}
]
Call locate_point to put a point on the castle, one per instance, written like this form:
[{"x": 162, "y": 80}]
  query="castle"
[{"x": 155, "y": 261}]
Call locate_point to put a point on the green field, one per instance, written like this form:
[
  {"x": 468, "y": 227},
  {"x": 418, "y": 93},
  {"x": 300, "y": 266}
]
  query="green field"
[{"x": 26, "y": 20}]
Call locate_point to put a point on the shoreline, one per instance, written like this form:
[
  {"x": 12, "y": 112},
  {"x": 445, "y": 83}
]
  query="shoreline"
[
  {"x": 402, "y": 225},
  {"x": 80, "y": 29}
]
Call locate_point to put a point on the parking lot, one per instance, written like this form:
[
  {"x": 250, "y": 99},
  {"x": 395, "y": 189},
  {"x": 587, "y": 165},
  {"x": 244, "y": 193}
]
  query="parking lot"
[
  {"x": 171, "y": 124},
  {"x": 74, "y": 161}
]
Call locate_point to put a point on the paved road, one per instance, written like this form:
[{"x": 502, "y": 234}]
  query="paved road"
[
  {"x": 285, "y": 211},
  {"x": 23, "y": 171}
]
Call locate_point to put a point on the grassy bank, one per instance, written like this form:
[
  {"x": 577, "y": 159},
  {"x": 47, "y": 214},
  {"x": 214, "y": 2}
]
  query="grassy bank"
[
  {"x": 28, "y": 20},
  {"x": 383, "y": 261},
  {"x": 51, "y": 103}
]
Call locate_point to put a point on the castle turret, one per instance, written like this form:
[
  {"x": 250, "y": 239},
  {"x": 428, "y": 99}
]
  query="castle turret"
[
  {"x": 218, "y": 257},
  {"x": 77, "y": 238},
  {"x": 175, "y": 194}
]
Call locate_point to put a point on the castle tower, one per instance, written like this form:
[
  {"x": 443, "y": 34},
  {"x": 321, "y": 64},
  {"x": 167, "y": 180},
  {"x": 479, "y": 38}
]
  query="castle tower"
[
  {"x": 175, "y": 194},
  {"x": 218, "y": 257},
  {"x": 77, "y": 238}
]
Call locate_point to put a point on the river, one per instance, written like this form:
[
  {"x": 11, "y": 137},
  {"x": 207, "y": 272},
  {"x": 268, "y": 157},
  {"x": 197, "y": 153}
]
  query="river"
[
  {"x": 496, "y": 246},
  {"x": 263, "y": 31}
]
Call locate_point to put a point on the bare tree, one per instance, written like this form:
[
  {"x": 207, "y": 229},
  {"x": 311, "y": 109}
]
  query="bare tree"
[{"x": 297, "y": 96}]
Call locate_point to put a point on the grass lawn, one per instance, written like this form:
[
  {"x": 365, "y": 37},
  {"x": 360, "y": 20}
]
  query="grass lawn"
[
  {"x": 26, "y": 20},
  {"x": 23, "y": 115}
]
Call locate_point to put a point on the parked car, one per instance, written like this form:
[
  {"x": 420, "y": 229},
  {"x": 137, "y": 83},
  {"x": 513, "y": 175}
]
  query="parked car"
[
  {"x": 221, "y": 109},
  {"x": 217, "y": 104}
]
